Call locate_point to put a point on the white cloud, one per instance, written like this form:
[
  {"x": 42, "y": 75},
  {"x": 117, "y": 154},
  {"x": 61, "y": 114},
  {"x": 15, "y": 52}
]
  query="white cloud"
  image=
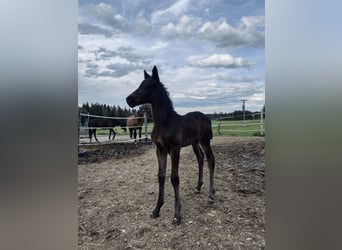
[
  {"x": 244, "y": 35},
  {"x": 107, "y": 15},
  {"x": 121, "y": 69},
  {"x": 186, "y": 27},
  {"x": 252, "y": 22},
  {"x": 142, "y": 25},
  {"x": 218, "y": 60},
  {"x": 104, "y": 19},
  {"x": 86, "y": 29},
  {"x": 214, "y": 30},
  {"x": 159, "y": 45},
  {"x": 174, "y": 10},
  {"x": 255, "y": 97},
  {"x": 232, "y": 79},
  {"x": 186, "y": 96},
  {"x": 248, "y": 33}
]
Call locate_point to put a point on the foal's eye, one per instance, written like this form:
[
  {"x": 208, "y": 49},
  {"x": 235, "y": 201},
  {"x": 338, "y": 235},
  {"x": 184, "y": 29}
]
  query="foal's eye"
[{"x": 148, "y": 86}]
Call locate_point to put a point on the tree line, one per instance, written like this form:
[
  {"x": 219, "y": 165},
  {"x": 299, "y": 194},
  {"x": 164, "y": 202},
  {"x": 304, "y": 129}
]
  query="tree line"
[
  {"x": 112, "y": 111},
  {"x": 106, "y": 110},
  {"x": 117, "y": 111},
  {"x": 237, "y": 115}
]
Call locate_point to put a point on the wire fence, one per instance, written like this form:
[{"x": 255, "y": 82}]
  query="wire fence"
[
  {"x": 255, "y": 124},
  {"x": 83, "y": 128},
  {"x": 222, "y": 126}
]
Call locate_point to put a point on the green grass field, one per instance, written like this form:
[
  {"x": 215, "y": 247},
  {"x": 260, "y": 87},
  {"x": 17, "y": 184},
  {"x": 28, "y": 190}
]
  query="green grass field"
[
  {"x": 236, "y": 128},
  {"x": 227, "y": 128}
]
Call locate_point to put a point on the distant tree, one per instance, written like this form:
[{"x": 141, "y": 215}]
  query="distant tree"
[
  {"x": 119, "y": 112},
  {"x": 86, "y": 107},
  {"x": 215, "y": 115},
  {"x": 105, "y": 110},
  {"x": 96, "y": 109},
  {"x": 125, "y": 112},
  {"x": 113, "y": 111}
]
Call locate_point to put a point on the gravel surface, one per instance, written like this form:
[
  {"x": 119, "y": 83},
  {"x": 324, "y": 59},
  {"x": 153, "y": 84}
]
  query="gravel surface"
[{"x": 118, "y": 189}]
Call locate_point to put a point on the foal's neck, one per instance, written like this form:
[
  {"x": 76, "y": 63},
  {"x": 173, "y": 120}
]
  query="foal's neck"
[{"x": 162, "y": 109}]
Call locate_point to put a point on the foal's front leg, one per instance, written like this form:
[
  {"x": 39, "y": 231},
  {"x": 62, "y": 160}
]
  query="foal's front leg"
[
  {"x": 135, "y": 134},
  {"x": 140, "y": 134},
  {"x": 162, "y": 160},
  {"x": 175, "y": 183},
  {"x": 94, "y": 132}
]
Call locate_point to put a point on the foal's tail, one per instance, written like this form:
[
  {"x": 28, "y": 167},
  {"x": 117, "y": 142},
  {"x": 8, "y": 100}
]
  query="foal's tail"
[{"x": 211, "y": 131}]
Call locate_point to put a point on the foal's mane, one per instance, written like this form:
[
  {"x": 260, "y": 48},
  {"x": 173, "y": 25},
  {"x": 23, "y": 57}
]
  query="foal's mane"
[{"x": 166, "y": 98}]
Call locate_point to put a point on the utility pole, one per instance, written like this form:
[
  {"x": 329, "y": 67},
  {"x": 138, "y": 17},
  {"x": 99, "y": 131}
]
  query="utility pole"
[{"x": 243, "y": 108}]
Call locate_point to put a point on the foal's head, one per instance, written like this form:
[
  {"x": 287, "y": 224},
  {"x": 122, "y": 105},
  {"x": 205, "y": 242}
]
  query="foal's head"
[{"x": 147, "y": 91}]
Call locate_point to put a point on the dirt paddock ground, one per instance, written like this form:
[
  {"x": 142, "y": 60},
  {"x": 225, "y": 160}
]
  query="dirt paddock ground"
[{"x": 118, "y": 189}]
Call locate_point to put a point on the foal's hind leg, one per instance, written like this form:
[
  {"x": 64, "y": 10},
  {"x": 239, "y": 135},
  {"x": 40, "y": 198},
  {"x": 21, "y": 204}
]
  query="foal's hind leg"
[
  {"x": 94, "y": 131},
  {"x": 199, "y": 155},
  {"x": 90, "y": 134},
  {"x": 211, "y": 164},
  {"x": 131, "y": 133},
  {"x": 114, "y": 134}
]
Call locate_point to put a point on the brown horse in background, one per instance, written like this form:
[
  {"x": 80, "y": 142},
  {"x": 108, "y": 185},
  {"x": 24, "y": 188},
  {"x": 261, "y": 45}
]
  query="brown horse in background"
[
  {"x": 134, "y": 123},
  {"x": 109, "y": 123},
  {"x": 170, "y": 133}
]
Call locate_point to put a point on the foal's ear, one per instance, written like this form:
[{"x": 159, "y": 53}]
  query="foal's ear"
[
  {"x": 155, "y": 73},
  {"x": 146, "y": 75}
]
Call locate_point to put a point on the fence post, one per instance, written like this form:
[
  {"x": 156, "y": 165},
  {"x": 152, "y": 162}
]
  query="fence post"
[
  {"x": 261, "y": 122},
  {"x": 79, "y": 122},
  {"x": 145, "y": 121},
  {"x": 219, "y": 126}
]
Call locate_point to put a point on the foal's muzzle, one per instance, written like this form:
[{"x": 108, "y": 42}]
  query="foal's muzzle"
[{"x": 130, "y": 101}]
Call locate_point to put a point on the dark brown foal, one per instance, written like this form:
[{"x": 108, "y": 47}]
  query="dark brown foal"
[{"x": 171, "y": 132}]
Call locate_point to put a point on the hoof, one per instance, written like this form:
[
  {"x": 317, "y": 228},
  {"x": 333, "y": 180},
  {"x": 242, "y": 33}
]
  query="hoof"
[
  {"x": 197, "y": 191},
  {"x": 176, "y": 221},
  {"x": 155, "y": 215},
  {"x": 198, "y": 188},
  {"x": 211, "y": 200}
]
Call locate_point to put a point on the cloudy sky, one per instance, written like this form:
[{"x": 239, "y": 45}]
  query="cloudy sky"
[{"x": 209, "y": 53}]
